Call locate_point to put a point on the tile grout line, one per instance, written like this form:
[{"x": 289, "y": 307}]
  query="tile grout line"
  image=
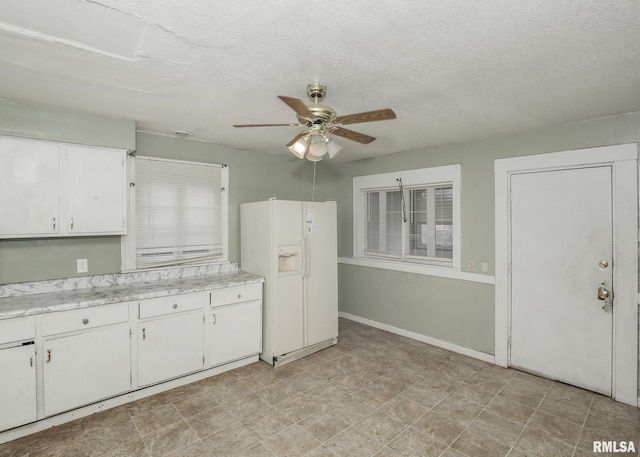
[
  {"x": 584, "y": 421},
  {"x": 481, "y": 411},
  {"x": 529, "y": 420}
]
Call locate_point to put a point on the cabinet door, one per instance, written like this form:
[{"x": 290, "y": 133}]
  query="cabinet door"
[
  {"x": 86, "y": 367},
  {"x": 29, "y": 187},
  {"x": 96, "y": 190},
  {"x": 18, "y": 381},
  {"x": 236, "y": 331},
  {"x": 170, "y": 346}
]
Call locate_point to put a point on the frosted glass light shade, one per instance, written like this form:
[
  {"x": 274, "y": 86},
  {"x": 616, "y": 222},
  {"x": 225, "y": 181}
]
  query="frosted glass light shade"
[
  {"x": 313, "y": 158},
  {"x": 299, "y": 148},
  {"x": 333, "y": 148},
  {"x": 317, "y": 148}
]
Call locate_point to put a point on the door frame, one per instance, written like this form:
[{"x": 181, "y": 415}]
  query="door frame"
[{"x": 624, "y": 162}]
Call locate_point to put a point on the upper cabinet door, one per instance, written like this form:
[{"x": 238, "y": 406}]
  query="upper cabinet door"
[
  {"x": 29, "y": 187},
  {"x": 96, "y": 183},
  {"x": 50, "y": 189}
]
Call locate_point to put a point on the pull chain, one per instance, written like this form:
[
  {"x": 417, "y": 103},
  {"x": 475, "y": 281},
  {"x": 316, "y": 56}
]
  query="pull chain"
[{"x": 313, "y": 187}]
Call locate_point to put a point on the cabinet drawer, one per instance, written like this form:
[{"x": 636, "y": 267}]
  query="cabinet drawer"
[
  {"x": 170, "y": 305},
  {"x": 69, "y": 321},
  {"x": 12, "y": 330},
  {"x": 236, "y": 295}
]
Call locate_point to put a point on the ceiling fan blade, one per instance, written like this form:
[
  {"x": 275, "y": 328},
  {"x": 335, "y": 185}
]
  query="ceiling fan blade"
[
  {"x": 267, "y": 125},
  {"x": 369, "y": 116},
  {"x": 298, "y": 106},
  {"x": 296, "y": 138},
  {"x": 351, "y": 135}
]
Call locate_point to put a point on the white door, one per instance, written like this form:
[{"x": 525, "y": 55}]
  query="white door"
[
  {"x": 235, "y": 331},
  {"x": 96, "y": 190},
  {"x": 86, "y": 367},
  {"x": 29, "y": 187},
  {"x": 18, "y": 393},
  {"x": 561, "y": 252},
  {"x": 321, "y": 272},
  {"x": 169, "y": 347},
  {"x": 286, "y": 309}
]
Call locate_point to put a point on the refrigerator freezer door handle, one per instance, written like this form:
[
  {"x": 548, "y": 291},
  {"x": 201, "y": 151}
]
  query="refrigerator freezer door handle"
[{"x": 306, "y": 257}]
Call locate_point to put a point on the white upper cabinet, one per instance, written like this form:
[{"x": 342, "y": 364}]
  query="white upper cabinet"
[
  {"x": 29, "y": 188},
  {"x": 95, "y": 190},
  {"x": 58, "y": 189}
]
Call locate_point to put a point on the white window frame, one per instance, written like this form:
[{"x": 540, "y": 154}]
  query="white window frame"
[
  {"x": 423, "y": 177},
  {"x": 128, "y": 241}
]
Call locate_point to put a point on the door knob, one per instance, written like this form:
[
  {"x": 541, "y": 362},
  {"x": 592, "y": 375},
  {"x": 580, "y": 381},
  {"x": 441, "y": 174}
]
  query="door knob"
[
  {"x": 606, "y": 295},
  {"x": 603, "y": 293}
]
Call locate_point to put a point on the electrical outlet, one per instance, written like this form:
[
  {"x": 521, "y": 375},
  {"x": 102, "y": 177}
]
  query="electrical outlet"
[
  {"x": 485, "y": 267},
  {"x": 471, "y": 265},
  {"x": 82, "y": 265}
]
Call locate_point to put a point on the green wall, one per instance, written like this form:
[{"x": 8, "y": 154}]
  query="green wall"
[
  {"x": 48, "y": 258},
  {"x": 252, "y": 176},
  {"x": 455, "y": 311}
]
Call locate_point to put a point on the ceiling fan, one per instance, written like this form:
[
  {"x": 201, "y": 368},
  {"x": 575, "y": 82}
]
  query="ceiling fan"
[{"x": 319, "y": 121}]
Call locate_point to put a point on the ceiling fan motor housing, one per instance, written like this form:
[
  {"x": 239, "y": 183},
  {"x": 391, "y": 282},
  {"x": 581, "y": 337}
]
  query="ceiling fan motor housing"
[
  {"x": 323, "y": 115},
  {"x": 316, "y": 92}
]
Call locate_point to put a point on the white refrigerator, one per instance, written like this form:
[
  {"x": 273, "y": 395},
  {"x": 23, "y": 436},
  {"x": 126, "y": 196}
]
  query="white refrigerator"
[{"x": 293, "y": 245}]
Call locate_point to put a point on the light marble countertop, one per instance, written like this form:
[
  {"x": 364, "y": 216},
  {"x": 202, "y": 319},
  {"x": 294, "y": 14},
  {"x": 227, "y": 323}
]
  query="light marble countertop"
[{"x": 29, "y": 304}]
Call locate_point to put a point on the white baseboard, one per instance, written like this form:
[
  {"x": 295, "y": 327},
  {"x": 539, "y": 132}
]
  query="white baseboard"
[{"x": 423, "y": 338}]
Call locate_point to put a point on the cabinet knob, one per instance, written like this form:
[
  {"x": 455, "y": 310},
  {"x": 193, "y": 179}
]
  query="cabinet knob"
[
  {"x": 239, "y": 295},
  {"x": 85, "y": 321},
  {"x": 175, "y": 305}
]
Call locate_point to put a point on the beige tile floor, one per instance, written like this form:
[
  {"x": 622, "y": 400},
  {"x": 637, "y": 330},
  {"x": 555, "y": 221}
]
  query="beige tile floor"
[{"x": 374, "y": 394}]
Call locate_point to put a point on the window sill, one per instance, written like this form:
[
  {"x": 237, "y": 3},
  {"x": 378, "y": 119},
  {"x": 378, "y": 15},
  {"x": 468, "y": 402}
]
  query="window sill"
[{"x": 428, "y": 270}]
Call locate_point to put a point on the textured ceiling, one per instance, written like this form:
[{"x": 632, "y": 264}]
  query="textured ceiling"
[{"x": 451, "y": 70}]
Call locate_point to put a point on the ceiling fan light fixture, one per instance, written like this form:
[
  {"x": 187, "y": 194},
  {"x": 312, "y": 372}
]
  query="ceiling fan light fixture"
[
  {"x": 318, "y": 120},
  {"x": 318, "y": 147},
  {"x": 333, "y": 148},
  {"x": 299, "y": 148},
  {"x": 311, "y": 158}
]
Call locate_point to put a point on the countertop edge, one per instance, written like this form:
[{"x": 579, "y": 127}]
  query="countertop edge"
[{"x": 37, "y": 304}]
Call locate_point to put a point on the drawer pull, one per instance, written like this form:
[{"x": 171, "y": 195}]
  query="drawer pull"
[
  {"x": 48, "y": 355},
  {"x": 175, "y": 305},
  {"x": 85, "y": 321},
  {"x": 54, "y": 223}
]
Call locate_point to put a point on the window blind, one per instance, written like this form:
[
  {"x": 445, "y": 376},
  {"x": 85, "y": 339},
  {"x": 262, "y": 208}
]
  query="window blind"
[{"x": 178, "y": 212}]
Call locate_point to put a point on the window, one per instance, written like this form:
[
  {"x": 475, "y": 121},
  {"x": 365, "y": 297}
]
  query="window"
[
  {"x": 409, "y": 216},
  {"x": 180, "y": 213}
]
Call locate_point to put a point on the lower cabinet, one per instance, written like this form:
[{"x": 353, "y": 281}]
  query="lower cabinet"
[
  {"x": 83, "y": 356},
  {"x": 235, "y": 331},
  {"x": 18, "y": 381},
  {"x": 86, "y": 367},
  {"x": 170, "y": 346}
]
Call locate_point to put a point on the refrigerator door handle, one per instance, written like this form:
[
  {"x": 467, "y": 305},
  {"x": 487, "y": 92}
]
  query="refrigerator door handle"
[{"x": 306, "y": 257}]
